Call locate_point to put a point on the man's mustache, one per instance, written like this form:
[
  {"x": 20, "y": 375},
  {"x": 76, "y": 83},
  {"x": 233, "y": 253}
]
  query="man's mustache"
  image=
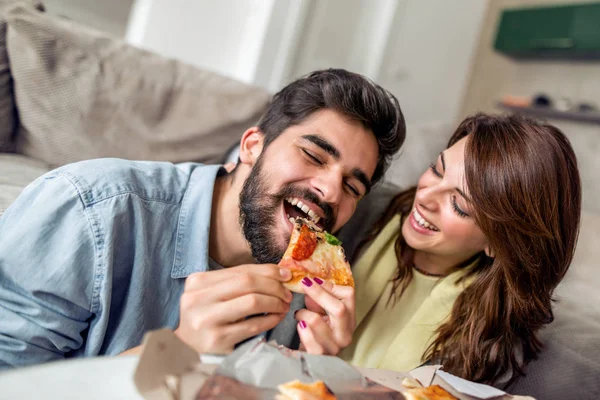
[{"x": 329, "y": 217}]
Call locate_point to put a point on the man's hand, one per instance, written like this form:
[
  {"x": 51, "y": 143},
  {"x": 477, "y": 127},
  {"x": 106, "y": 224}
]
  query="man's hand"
[
  {"x": 326, "y": 326},
  {"x": 215, "y": 306}
]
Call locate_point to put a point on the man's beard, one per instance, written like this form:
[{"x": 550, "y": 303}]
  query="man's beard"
[{"x": 259, "y": 211}]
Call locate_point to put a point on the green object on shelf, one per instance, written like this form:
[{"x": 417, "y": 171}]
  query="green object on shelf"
[{"x": 571, "y": 31}]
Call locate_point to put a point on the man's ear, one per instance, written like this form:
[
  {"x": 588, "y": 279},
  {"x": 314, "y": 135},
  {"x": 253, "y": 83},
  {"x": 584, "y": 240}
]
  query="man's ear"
[{"x": 251, "y": 145}]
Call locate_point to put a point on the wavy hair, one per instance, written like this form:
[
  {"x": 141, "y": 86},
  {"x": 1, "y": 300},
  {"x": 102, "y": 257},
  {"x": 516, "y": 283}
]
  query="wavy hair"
[{"x": 525, "y": 190}]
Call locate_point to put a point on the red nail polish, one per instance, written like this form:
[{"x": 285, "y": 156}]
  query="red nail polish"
[
  {"x": 302, "y": 324},
  {"x": 319, "y": 281},
  {"x": 307, "y": 282}
]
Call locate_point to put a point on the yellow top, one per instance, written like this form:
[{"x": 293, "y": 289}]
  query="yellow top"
[{"x": 396, "y": 336}]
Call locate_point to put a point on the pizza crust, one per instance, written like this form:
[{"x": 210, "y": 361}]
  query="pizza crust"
[
  {"x": 296, "y": 390},
  {"x": 433, "y": 392}
]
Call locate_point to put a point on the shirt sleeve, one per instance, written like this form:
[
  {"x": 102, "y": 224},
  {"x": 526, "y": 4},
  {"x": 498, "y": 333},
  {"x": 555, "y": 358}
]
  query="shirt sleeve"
[{"x": 47, "y": 271}]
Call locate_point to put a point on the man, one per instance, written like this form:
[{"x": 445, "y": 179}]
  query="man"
[{"x": 95, "y": 254}]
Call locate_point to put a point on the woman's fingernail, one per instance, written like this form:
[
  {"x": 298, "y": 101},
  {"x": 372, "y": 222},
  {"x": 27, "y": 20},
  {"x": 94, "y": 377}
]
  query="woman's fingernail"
[
  {"x": 319, "y": 281},
  {"x": 302, "y": 324},
  {"x": 307, "y": 282}
]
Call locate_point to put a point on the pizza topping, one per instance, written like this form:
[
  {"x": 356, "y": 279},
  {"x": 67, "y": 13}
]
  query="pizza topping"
[
  {"x": 332, "y": 239},
  {"x": 306, "y": 244},
  {"x": 310, "y": 255}
]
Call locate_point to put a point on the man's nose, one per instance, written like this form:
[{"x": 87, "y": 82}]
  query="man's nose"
[{"x": 329, "y": 186}]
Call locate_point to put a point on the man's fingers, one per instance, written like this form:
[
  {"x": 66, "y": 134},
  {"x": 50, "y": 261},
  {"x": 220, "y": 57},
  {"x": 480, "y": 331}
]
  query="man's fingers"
[
  {"x": 227, "y": 284},
  {"x": 251, "y": 327},
  {"x": 230, "y": 289},
  {"x": 248, "y": 305},
  {"x": 200, "y": 280}
]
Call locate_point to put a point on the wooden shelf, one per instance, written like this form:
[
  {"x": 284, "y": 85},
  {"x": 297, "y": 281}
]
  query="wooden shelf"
[{"x": 591, "y": 117}]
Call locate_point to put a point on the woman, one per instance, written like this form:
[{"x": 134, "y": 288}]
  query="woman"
[{"x": 461, "y": 269}]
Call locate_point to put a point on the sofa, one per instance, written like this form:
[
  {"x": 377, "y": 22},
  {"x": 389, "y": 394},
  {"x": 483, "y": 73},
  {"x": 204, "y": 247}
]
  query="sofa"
[{"x": 69, "y": 93}]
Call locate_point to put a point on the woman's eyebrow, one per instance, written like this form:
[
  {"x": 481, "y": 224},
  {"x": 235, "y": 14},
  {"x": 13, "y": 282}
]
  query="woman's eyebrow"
[
  {"x": 443, "y": 161},
  {"x": 467, "y": 198},
  {"x": 459, "y": 190}
]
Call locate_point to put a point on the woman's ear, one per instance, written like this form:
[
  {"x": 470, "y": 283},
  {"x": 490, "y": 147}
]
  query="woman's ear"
[
  {"x": 489, "y": 252},
  {"x": 251, "y": 146}
]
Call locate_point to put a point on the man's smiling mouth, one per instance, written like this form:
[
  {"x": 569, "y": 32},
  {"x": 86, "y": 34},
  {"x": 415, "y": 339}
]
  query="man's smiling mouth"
[{"x": 294, "y": 207}]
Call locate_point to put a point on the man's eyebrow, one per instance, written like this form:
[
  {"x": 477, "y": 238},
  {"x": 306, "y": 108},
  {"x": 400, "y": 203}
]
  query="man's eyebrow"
[
  {"x": 443, "y": 161},
  {"x": 362, "y": 177},
  {"x": 324, "y": 144},
  {"x": 334, "y": 152}
]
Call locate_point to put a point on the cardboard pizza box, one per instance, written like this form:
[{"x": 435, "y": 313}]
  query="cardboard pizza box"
[{"x": 170, "y": 370}]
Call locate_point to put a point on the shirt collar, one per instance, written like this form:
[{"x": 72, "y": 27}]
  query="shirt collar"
[{"x": 193, "y": 228}]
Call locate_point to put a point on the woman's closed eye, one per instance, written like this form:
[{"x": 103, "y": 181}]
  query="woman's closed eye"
[
  {"x": 435, "y": 171},
  {"x": 457, "y": 209}
]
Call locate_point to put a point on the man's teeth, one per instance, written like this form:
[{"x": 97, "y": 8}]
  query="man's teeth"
[
  {"x": 301, "y": 206},
  {"x": 423, "y": 222}
]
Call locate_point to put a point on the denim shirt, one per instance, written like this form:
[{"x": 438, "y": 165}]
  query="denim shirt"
[{"x": 95, "y": 254}]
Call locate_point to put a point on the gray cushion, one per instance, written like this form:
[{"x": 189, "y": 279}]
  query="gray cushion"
[
  {"x": 423, "y": 144},
  {"x": 82, "y": 95},
  {"x": 17, "y": 172},
  {"x": 569, "y": 365},
  {"x": 368, "y": 211},
  {"x": 8, "y": 114}
]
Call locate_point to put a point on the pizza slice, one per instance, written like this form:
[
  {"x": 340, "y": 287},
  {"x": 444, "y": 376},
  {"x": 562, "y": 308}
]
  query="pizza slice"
[
  {"x": 314, "y": 253},
  {"x": 296, "y": 390},
  {"x": 433, "y": 392}
]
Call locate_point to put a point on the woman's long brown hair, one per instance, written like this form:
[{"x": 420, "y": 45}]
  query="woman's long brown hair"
[{"x": 525, "y": 189}]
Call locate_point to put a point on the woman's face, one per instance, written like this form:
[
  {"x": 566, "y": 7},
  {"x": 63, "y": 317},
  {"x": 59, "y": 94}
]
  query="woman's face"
[{"x": 440, "y": 225}]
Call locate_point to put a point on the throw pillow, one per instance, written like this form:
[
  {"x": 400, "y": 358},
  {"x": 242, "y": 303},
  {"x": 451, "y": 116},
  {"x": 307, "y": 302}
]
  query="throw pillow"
[
  {"x": 8, "y": 114},
  {"x": 81, "y": 94}
]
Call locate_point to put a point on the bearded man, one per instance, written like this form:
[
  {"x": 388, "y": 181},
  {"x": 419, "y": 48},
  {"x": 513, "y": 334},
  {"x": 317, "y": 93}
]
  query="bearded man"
[{"x": 95, "y": 254}]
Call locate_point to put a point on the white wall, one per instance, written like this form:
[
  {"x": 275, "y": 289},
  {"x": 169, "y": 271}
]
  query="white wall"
[
  {"x": 225, "y": 36},
  {"x": 428, "y": 58},
  {"x": 495, "y": 75},
  {"x": 421, "y": 50}
]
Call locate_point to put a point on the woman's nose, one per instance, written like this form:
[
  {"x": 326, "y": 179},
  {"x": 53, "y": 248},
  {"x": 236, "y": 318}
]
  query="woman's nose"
[{"x": 428, "y": 198}]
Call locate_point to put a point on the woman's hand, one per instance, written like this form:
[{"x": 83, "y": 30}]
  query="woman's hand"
[{"x": 327, "y": 324}]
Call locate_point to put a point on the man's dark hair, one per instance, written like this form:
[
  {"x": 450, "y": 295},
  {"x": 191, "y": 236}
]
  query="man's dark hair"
[{"x": 352, "y": 95}]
